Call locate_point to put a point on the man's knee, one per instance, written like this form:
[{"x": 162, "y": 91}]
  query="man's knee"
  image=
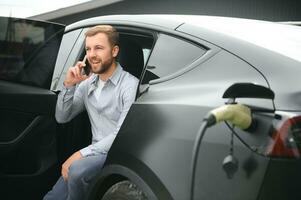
[{"x": 85, "y": 169}]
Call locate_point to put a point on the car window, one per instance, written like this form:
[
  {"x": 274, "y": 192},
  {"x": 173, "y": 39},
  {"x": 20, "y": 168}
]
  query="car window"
[
  {"x": 146, "y": 53},
  {"x": 69, "y": 42},
  {"x": 170, "y": 54},
  {"x": 134, "y": 51},
  {"x": 28, "y": 50}
]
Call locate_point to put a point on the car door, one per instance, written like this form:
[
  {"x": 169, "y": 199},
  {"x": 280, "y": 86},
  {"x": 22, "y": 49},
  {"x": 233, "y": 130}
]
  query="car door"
[{"x": 28, "y": 145}]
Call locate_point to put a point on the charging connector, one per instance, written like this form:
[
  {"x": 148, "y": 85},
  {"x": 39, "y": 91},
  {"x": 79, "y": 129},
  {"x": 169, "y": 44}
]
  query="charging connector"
[{"x": 237, "y": 114}]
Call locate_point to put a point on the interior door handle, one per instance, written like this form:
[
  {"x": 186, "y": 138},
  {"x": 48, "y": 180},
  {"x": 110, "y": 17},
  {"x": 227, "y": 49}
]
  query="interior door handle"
[{"x": 7, "y": 146}]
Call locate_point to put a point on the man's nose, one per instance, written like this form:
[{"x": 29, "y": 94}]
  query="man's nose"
[{"x": 92, "y": 53}]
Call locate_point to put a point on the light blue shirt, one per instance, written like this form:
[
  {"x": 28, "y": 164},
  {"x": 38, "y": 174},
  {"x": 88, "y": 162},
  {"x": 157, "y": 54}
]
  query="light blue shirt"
[{"x": 107, "y": 114}]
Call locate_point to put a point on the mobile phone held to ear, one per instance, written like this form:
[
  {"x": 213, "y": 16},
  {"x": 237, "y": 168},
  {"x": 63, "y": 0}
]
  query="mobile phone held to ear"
[{"x": 87, "y": 68}]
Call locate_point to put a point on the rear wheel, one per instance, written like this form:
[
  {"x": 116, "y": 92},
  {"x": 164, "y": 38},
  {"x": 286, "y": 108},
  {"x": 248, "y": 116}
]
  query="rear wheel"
[{"x": 124, "y": 190}]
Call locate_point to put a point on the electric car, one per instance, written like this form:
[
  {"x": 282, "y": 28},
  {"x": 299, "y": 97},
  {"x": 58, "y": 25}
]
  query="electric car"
[{"x": 216, "y": 115}]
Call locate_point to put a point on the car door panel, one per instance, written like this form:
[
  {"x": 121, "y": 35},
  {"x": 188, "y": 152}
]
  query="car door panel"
[
  {"x": 22, "y": 110},
  {"x": 28, "y": 136},
  {"x": 26, "y": 98}
]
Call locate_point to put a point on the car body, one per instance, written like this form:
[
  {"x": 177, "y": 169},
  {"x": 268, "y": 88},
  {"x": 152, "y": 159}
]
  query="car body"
[
  {"x": 297, "y": 23},
  {"x": 185, "y": 65}
]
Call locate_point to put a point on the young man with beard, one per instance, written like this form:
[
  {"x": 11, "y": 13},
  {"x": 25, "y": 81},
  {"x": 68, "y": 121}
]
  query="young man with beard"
[{"x": 106, "y": 95}]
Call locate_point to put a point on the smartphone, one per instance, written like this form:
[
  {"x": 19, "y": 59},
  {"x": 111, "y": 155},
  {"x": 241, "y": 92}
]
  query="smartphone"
[{"x": 86, "y": 69}]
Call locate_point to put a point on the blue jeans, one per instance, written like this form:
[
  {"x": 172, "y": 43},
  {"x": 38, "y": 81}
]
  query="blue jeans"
[{"x": 81, "y": 174}]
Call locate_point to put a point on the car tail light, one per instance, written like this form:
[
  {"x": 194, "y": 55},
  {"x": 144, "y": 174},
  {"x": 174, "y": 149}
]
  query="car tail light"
[{"x": 286, "y": 139}]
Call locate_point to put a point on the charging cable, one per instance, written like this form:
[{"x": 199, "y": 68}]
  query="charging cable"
[{"x": 238, "y": 115}]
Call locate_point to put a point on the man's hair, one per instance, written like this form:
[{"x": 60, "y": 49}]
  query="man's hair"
[{"x": 110, "y": 31}]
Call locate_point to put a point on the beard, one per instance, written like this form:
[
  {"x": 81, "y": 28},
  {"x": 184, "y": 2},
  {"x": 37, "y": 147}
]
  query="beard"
[{"x": 103, "y": 66}]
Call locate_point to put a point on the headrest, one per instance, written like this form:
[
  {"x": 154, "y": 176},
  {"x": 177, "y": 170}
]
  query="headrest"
[{"x": 130, "y": 57}]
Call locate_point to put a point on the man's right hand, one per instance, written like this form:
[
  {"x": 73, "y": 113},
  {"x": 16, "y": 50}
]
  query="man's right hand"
[{"x": 74, "y": 75}]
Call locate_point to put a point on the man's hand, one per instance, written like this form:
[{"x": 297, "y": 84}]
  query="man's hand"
[
  {"x": 74, "y": 74},
  {"x": 65, "y": 167}
]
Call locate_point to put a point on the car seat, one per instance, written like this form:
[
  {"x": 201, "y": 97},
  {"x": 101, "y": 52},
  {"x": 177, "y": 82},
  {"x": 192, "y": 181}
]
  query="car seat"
[{"x": 130, "y": 57}]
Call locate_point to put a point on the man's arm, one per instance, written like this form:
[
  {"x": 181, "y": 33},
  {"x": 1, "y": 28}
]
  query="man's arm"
[
  {"x": 69, "y": 104},
  {"x": 70, "y": 99},
  {"x": 105, "y": 144}
]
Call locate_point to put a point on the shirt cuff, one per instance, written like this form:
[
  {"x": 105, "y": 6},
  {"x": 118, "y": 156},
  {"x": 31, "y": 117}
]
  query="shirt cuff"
[
  {"x": 67, "y": 92},
  {"x": 86, "y": 151},
  {"x": 70, "y": 88}
]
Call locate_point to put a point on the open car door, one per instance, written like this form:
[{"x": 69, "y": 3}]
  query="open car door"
[{"x": 28, "y": 146}]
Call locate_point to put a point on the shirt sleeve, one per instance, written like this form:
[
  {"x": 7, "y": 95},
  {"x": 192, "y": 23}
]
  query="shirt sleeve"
[
  {"x": 104, "y": 145},
  {"x": 70, "y": 102}
]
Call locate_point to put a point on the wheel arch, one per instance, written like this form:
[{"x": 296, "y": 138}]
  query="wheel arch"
[{"x": 114, "y": 173}]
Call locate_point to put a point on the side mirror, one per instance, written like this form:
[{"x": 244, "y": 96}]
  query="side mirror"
[{"x": 248, "y": 90}]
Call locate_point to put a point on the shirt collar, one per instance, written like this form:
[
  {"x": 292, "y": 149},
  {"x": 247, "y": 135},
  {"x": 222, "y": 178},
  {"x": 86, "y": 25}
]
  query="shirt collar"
[
  {"x": 93, "y": 83},
  {"x": 94, "y": 79},
  {"x": 114, "y": 78},
  {"x": 116, "y": 75}
]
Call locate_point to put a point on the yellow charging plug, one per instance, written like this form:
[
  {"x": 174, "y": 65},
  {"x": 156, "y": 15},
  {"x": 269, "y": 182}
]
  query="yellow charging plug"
[{"x": 237, "y": 114}]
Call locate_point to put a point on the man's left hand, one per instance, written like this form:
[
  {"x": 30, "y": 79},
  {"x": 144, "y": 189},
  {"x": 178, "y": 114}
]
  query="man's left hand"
[{"x": 65, "y": 167}]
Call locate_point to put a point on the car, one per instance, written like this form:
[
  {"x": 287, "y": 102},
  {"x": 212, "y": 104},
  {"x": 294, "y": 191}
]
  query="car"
[
  {"x": 216, "y": 115},
  {"x": 297, "y": 23}
]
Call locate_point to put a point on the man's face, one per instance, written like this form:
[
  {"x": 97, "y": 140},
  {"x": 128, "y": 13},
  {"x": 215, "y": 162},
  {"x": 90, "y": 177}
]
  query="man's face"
[{"x": 100, "y": 53}]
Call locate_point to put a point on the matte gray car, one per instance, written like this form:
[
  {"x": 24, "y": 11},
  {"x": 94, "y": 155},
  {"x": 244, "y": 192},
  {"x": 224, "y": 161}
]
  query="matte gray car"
[{"x": 187, "y": 66}]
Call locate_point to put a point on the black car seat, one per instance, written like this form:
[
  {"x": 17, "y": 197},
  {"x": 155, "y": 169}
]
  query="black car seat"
[{"x": 130, "y": 57}]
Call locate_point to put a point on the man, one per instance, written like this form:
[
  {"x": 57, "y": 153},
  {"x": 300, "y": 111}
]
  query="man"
[{"x": 106, "y": 95}]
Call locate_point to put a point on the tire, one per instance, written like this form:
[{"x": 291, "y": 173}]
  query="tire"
[{"x": 124, "y": 190}]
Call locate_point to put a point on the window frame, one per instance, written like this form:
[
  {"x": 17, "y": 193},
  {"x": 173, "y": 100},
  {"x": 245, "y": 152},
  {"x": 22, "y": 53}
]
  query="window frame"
[{"x": 33, "y": 52}]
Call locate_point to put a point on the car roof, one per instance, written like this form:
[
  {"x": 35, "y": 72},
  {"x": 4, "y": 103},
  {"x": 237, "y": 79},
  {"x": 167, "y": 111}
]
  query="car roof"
[{"x": 280, "y": 38}]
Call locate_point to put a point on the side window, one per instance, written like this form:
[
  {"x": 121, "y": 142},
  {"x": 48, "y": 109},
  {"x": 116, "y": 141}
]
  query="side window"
[
  {"x": 69, "y": 43},
  {"x": 169, "y": 55},
  {"x": 134, "y": 51},
  {"x": 28, "y": 50}
]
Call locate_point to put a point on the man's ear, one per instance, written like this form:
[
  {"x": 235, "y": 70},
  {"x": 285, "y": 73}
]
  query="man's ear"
[{"x": 115, "y": 51}]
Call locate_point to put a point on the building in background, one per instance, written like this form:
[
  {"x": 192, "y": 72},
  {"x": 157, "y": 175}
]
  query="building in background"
[{"x": 272, "y": 10}]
